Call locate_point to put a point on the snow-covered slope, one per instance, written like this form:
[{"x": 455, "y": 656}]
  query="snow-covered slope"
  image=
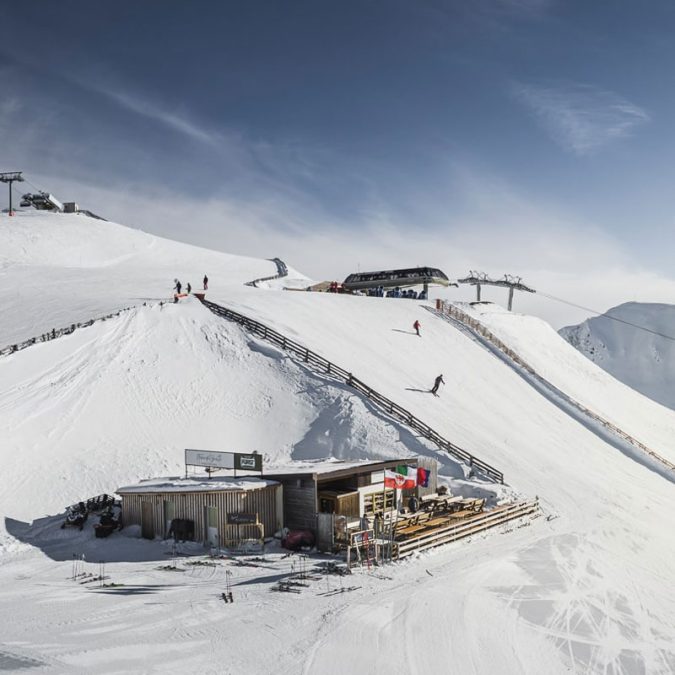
[
  {"x": 582, "y": 590},
  {"x": 644, "y": 361},
  {"x": 482, "y": 397},
  {"x": 58, "y": 269},
  {"x": 562, "y": 365},
  {"x": 120, "y": 400}
]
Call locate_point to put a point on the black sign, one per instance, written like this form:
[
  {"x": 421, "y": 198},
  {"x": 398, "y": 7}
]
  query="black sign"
[
  {"x": 251, "y": 462},
  {"x": 242, "y": 518}
]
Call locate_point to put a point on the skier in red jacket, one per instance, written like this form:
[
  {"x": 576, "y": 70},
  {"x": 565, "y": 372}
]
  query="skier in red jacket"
[{"x": 417, "y": 325}]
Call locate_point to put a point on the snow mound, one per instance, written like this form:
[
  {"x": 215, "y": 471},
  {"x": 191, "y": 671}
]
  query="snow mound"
[
  {"x": 120, "y": 400},
  {"x": 57, "y": 269}
]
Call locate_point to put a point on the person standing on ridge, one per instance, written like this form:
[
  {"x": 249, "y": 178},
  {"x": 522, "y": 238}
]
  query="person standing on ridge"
[
  {"x": 178, "y": 286},
  {"x": 437, "y": 383},
  {"x": 189, "y": 288},
  {"x": 417, "y": 325},
  {"x": 206, "y": 283}
]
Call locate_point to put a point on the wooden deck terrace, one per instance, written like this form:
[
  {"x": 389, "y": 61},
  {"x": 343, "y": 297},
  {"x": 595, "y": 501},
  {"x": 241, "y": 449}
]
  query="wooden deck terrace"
[
  {"x": 440, "y": 520},
  {"x": 425, "y": 530}
]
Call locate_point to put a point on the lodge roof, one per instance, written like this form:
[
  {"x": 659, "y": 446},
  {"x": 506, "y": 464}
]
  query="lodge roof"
[
  {"x": 331, "y": 469},
  {"x": 197, "y": 484}
]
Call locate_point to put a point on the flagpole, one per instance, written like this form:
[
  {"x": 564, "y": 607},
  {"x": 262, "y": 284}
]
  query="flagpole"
[{"x": 384, "y": 502}]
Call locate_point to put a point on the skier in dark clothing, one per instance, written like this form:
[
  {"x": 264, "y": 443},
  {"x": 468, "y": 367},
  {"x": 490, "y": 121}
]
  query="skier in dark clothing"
[
  {"x": 417, "y": 325},
  {"x": 206, "y": 282},
  {"x": 178, "y": 286},
  {"x": 189, "y": 288},
  {"x": 437, "y": 383}
]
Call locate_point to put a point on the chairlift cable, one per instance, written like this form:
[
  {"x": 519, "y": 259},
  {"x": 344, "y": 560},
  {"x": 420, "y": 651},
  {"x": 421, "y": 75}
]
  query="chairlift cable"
[
  {"x": 35, "y": 187},
  {"x": 608, "y": 316}
]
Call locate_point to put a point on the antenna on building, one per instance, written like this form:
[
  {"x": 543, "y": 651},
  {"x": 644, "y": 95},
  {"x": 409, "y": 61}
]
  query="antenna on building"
[{"x": 11, "y": 177}]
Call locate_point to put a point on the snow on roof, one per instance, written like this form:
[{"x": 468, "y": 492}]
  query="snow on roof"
[
  {"x": 177, "y": 484},
  {"x": 329, "y": 465}
]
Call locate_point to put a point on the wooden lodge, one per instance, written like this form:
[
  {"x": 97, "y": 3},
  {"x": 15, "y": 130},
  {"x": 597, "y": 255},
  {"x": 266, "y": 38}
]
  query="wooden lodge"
[
  {"x": 350, "y": 489},
  {"x": 328, "y": 498},
  {"x": 220, "y": 511},
  {"x": 345, "y": 505}
]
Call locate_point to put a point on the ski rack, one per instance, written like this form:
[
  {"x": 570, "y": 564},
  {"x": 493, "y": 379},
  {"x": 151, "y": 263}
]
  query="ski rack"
[{"x": 327, "y": 368}]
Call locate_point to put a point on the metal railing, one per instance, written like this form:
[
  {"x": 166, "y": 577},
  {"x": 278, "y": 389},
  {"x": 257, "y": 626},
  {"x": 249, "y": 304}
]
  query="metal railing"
[
  {"x": 326, "y": 367},
  {"x": 445, "y": 309}
]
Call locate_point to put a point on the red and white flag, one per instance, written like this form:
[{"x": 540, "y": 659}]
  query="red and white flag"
[{"x": 404, "y": 478}]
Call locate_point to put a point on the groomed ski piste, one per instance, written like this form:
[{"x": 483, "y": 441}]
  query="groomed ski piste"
[{"x": 583, "y": 588}]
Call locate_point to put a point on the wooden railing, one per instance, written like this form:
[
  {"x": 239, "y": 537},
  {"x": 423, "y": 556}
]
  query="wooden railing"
[
  {"x": 445, "y": 309},
  {"x": 282, "y": 271},
  {"x": 58, "y": 332},
  {"x": 326, "y": 367}
]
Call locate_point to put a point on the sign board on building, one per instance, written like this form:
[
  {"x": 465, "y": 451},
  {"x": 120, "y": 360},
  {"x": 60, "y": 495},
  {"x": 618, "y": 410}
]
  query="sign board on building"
[
  {"x": 224, "y": 460},
  {"x": 220, "y": 460},
  {"x": 242, "y": 518},
  {"x": 247, "y": 462}
]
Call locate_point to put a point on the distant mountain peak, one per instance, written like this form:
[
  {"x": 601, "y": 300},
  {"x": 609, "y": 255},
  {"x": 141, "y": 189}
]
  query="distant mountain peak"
[{"x": 641, "y": 359}]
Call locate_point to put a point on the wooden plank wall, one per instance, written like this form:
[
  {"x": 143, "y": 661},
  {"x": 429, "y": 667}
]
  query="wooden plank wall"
[
  {"x": 300, "y": 505},
  {"x": 348, "y": 505},
  {"x": 191, "y": 505}
]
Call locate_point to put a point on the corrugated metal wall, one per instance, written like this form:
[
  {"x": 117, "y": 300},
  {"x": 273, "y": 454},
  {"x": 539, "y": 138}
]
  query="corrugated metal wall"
[{"x": 190, "y": 505}]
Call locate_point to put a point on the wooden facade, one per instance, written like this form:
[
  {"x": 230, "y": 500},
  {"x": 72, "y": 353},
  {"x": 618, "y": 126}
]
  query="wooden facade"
[
  {"x": 348, "y": 490},
  {"x": 154, "y": 510},
  {"x": 339, "y": 503},
  {"x": 300, "y": 503}
]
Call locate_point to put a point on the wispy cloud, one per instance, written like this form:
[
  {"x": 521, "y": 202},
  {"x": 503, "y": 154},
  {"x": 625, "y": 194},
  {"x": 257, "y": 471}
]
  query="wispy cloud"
[
  {"x": 168, "y": 118},
  {"x": 273, "y": 203},
  {"x": 581, "y": 118}
]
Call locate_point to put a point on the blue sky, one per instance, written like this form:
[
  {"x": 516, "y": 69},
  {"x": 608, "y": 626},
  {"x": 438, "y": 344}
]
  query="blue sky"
[{"x": 532, "y": 137}]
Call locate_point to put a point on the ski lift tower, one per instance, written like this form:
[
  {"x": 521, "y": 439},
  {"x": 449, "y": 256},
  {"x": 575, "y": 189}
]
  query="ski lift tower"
[
  {"x": 11, "y": 177},
  {"x": 509, "y": 281}
]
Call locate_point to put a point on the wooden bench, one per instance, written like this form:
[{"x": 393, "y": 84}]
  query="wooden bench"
[
  {"x": 476, "y": 505},
  {"x": 460, "y": 515}
]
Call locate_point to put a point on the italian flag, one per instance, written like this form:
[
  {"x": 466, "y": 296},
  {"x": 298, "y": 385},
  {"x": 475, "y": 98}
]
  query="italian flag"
[{"x": 403, "y": 478}]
